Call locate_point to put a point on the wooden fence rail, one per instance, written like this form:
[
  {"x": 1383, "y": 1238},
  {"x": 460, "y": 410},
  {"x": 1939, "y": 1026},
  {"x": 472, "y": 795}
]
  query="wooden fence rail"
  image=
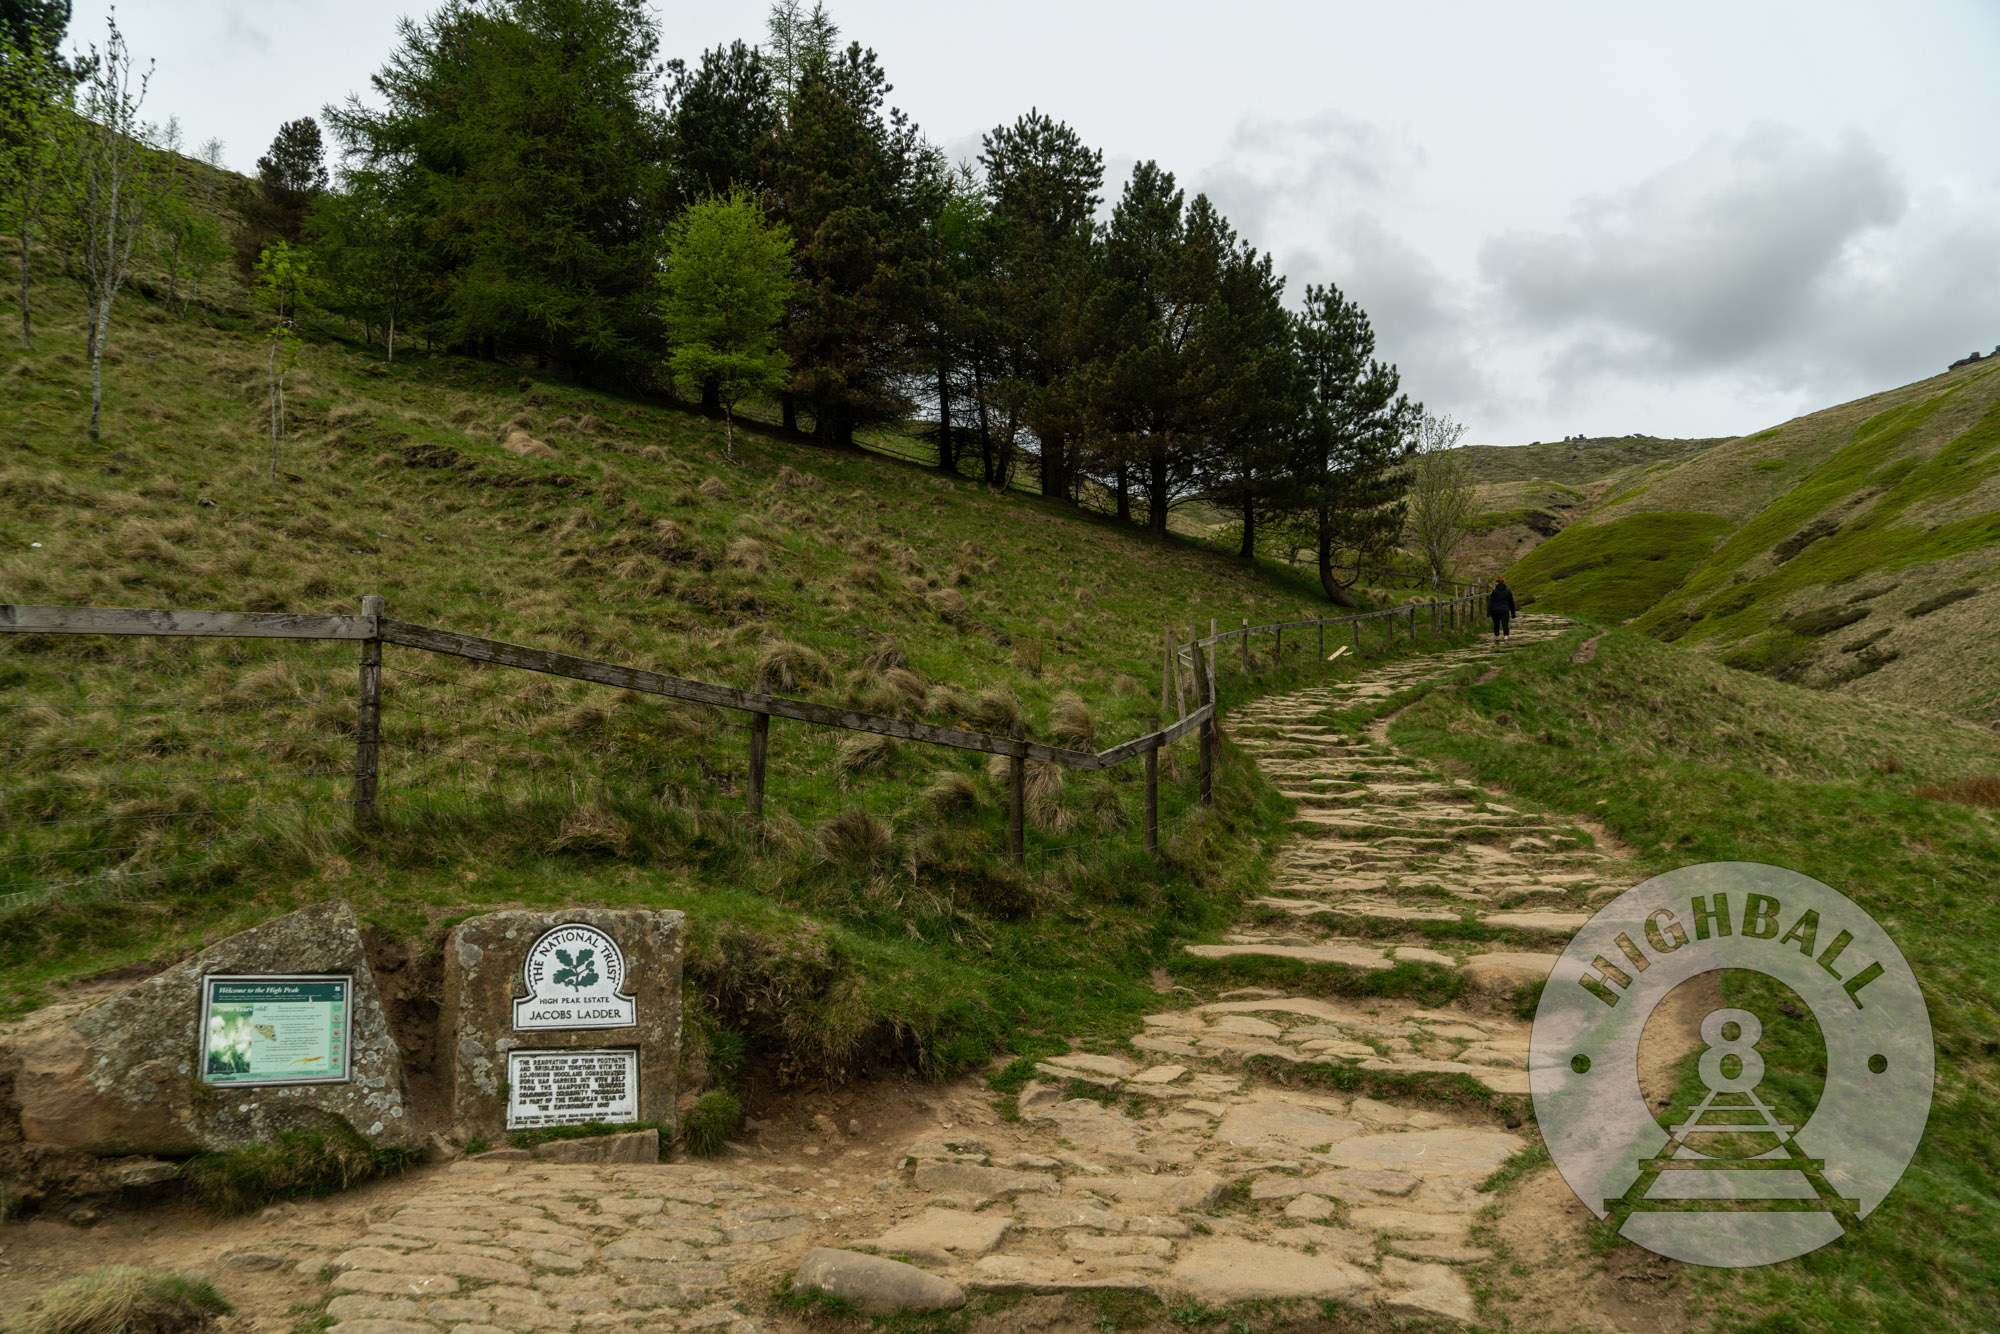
[{"x": 373, "y": 629}]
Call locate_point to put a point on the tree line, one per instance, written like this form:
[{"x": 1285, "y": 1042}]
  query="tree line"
[{"x": 528, "y": 181}]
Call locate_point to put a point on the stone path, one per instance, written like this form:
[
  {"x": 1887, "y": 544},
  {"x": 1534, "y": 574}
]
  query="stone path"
[
  {"x": 501, "y": 1246},
  {"x": 1395, "y": 859},
  {"x": 1177, "y": 1164}
]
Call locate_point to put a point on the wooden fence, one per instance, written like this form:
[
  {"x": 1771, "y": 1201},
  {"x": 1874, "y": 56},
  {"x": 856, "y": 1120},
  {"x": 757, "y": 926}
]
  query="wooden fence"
[{"x": 1186, "y": 670}]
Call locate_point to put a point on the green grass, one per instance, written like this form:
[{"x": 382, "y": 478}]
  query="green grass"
[
  {"x": 295, "y": 1165},
  {"x": 528, "y": 1139},
  {"x": 1611, "y": 572},
  {"x": 1688, "y": 762},
  {"x": 713, "y": 1118}
]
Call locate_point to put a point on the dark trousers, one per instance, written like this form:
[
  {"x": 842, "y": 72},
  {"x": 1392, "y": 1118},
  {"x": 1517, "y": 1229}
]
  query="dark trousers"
[{"x": 1500, "y": 619}]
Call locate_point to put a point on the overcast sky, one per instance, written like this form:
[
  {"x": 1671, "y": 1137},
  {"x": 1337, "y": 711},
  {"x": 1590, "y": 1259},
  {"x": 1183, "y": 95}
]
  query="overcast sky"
[{"x": 1687, "y": 219}]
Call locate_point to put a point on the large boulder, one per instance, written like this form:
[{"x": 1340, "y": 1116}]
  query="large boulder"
[
  {"x": 120, "y": 1076},
  {"x": 874, "y": 1285}
]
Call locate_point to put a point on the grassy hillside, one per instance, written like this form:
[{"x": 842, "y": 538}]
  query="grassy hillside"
[
  {"x": 875, "y": 914},
  {"x": 1575, "y": 462},
  {"x": 1529, "y": 493},
  {"x": 1687, "y": 762},
  {"x": 1854, "y": 548}
]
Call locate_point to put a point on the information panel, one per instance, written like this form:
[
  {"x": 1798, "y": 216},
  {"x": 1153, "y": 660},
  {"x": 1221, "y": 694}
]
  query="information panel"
[
  {"x": 275, "y": 1030},
  {"x": 569, "y": 1088}
]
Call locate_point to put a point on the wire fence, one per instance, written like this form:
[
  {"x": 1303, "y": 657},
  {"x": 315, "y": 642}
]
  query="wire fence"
[{"x": 149, "y": 744}]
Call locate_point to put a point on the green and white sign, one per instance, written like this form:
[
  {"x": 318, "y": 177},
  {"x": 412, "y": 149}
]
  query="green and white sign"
[{"x": 275, "y": 1030}]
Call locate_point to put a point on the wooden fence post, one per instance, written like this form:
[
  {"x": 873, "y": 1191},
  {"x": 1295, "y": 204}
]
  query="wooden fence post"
[
  {"x": 1246, "y": 645},
  {"x": 1211, "y": 661},
  {"x": 1320, "y": 625},
  {"x": 1153, "y": 794},
  {"x": 1204, "y": 689},
  {"x": 368, "y": 717},
  {"x": 1017, "y": 800},
  {"x": 1278, "y": 649},
  {"x": 1357, "y": 637},
  {"x": 760, "y": 741}
]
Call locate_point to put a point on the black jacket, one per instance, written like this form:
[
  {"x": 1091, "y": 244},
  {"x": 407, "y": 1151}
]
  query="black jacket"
[{"x": 1500, "y": 602}]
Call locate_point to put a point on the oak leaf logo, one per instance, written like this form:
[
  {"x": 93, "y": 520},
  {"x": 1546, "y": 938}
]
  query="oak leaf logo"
[{"x": 578, "y": 972}]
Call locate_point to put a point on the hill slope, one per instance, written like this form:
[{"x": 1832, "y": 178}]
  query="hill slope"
[
  {"x": 1528, "y": 493},
  {"x": 616, "y": 529},
  {"x": 1852, "y": 548}
]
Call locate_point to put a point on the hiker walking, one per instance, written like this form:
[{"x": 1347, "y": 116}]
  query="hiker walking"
[{"x": 1500, "y": 606}]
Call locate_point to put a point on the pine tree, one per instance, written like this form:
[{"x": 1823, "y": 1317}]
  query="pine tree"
[
  {"x": 845, "y": 169},
  {"x": 724, "y": 115},
  {"x": 290, "y": 177},
  {"x": 1346, "y": 483},
  {"x": 1161, "y": 390},
  {"x": 798, "y": 41},
  {"x": 1044, "y": 184},
  {"x": 531, "y": 132},
  {"x": 946, "y": 338},
  {"x": 1255, "y": 413}
]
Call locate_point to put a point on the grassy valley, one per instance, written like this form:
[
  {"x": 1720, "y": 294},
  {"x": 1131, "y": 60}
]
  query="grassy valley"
[{"x": 1849, "y": 549}]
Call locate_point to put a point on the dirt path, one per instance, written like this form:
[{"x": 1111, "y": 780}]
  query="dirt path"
[{"x": 1181, "y": 1164}]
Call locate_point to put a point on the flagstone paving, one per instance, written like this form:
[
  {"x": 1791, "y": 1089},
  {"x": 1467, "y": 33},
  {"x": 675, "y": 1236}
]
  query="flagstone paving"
[{"x": 1189, "y": 1171}]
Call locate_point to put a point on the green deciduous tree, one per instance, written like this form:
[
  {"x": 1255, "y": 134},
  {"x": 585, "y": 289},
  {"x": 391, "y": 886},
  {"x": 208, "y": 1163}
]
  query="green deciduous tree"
[
  {"x": 368, "y": 238},
  {"x": 35, "y": 96},
  {"x": 727, "y": 279},
  {"x": 187, "y": 239},
  {"x": 284, "y": 286}
]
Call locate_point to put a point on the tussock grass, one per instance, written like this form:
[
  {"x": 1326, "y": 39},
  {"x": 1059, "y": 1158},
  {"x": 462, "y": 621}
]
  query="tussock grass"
[
  {"x": 123, "y": 1299},
  {"x": 1983, "y": 790}
]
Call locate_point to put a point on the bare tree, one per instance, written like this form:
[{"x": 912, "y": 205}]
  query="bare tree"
[
  {"x": 1440, "y": 500},
  {"x": 108, "y": 177}
]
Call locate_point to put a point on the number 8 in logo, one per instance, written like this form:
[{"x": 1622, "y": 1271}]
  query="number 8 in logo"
[{"x": 1731, "y": 1037}]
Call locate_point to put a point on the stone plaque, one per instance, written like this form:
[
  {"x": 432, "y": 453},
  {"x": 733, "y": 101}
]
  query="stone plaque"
[
  {"x": 274, "y": 1030},
  {"x": 575, "y": 977},
  {"x": 569, "y": 1088},
  {"x": 508, "y": 989}
]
